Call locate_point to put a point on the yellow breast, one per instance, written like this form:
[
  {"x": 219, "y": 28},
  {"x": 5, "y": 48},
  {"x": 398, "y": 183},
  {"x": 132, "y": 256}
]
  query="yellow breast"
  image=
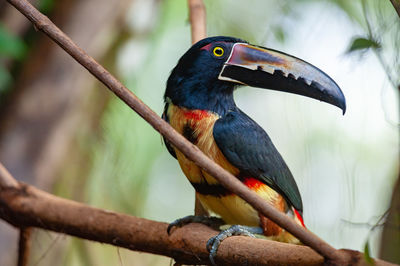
[{"x": 197, "y": 126}]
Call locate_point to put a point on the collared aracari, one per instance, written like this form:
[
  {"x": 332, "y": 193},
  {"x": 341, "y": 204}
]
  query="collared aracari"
[{"x": 199, "y": 104}]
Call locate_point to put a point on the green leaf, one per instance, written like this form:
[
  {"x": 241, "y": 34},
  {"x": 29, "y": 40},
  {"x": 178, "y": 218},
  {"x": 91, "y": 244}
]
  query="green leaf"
[
  {"x": 362, "y": 44},
  {"x": 45, "y": 6},
  {"x": 367, "y": 255},
  {"x": 11, "y": 45}
]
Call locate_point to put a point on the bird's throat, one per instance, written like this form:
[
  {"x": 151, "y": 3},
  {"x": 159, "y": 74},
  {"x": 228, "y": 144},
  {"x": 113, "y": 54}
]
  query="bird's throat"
[{"x": 216, "y": 98}]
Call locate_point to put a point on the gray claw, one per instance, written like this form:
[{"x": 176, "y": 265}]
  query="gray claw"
[{"x": 235, "y": 230}]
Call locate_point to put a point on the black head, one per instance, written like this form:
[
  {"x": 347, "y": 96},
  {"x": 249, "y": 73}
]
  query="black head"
[
  {"x": 208, "y": 72},
  {"x": 194, "y": 82}
]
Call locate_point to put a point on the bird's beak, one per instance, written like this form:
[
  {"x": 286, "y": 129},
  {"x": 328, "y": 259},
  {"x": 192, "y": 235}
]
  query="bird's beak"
[{"x": 265, "y": 68}]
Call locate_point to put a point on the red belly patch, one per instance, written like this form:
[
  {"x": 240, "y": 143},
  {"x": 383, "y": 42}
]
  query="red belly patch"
[{"x": 253, "y": 183}]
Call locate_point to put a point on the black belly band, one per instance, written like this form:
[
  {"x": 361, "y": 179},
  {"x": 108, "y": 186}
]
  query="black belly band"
[{"x": 215, "y": 190}]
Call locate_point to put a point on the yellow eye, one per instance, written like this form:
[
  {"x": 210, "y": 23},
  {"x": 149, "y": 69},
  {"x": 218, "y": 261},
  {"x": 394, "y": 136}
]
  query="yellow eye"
[{"x": 218, "y": 51}]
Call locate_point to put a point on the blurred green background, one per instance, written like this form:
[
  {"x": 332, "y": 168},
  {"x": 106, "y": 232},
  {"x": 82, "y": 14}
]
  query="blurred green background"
[{"x": 345, "y": 166}]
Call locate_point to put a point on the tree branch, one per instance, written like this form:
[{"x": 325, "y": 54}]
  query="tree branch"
[
  {"x": 24, "y": 245},
  {"x": 27, "y": 206},
  {"x": 43, "y": 24},
  {"x": 197, "y": 17},
  {"x": 6, "y": 180}
]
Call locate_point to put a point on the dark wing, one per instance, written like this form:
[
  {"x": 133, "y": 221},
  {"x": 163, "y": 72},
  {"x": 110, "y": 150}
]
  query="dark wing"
[
  {"x": 247, "y": 146},
  {"x": 167, "y": 144}
]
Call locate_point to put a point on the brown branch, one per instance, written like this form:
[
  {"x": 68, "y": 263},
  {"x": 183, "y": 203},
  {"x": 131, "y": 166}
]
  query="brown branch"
[
  {"x": 197, "y": 17},
  {"x": 24, "y": 245},
  {"x": 28, "y": 206},
  {"x": 396, "y": 5},
  {"x": 390, "y": 239},
  {"x": 6, "y": 180},
  {"x": 25, "y": 206},
  {"x": 43, "y": 24}
]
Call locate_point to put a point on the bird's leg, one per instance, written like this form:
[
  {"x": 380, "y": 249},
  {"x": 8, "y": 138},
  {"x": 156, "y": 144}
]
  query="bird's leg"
[
  {"x": 235, "y": 230},
  {"x": 213, "y": 222}
]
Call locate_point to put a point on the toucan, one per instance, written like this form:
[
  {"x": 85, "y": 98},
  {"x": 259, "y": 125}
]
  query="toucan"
[{"x": 199, "y": 104}]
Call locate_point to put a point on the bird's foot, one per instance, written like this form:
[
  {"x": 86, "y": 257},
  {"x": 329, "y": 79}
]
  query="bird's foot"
[
  {"x": 213, "y": 222},
  {"x": 235, "y": 230}
]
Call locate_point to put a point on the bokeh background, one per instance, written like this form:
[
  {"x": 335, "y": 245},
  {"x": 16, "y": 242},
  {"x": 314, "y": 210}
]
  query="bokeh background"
[{"x": 64, "y": 132}]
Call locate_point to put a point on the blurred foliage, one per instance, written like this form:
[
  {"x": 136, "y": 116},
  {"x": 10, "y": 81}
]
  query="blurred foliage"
[
  {"x": 381, "y": 26},
  {"x": 361, "y": 44},
  {"x": 226, "y": 17},
  {"x": 11, "y": 48},
  {"x": 125, "y": 169},
  {"x": 123, "y": 154},
  {"x": 124, "y": 158},
  {"x": 45, "y": 6},
  {"x": 115, "y": 182},
  {"x": 367, "y": 254},
  {"x": 14, "y": 49},
  {"x": 10, "y": 45}
]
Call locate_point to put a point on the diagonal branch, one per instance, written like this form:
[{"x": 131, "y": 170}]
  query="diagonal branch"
[
  {"x": 6, "y": 179},
  {"x": 396, "y": 5},
  {"x": 43, "y": 24}
]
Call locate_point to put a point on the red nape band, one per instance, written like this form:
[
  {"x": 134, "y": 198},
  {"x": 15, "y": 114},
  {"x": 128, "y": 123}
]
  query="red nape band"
[
  {"x": 206, "y": 47},
  {"x": 253, "y": 183},
  {"x": 299, "y": 217},
  {"x": 196, "y": 114}
]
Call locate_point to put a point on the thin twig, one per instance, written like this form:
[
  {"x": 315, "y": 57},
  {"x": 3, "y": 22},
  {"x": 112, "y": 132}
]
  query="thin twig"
[
  {"x": 24, "y": 246},
  {"x": 121, "y": 263},
  {"x": 51, "y": 245},
  {"x": 43, "y": 24}
]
